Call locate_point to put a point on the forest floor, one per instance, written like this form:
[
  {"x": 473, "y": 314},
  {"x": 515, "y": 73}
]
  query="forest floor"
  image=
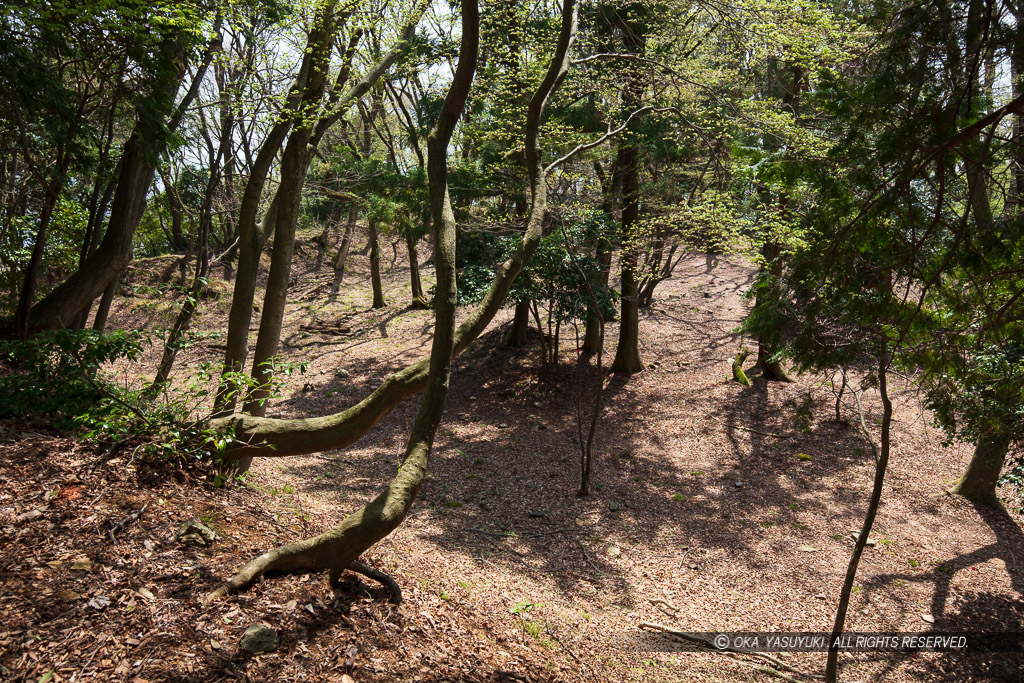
[{"x": 714, "y": 507}]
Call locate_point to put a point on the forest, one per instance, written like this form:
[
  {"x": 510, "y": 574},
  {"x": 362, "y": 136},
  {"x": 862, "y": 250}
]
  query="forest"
[{"x": 478, "y": 340}]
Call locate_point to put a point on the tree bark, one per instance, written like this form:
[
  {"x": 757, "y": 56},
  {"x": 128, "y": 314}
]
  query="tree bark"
[
  {"x": 99, "y": 323},
  {"x": 979, "y": 481},
  {"x": 374, "y": 242},
  {"x": 516, "y": 337},
  {"x": 338, "y": 548},
  {"x": 271, "y": 438},
  {"x": 627, "y": 353},
  {"x": 418, "y": 299}
]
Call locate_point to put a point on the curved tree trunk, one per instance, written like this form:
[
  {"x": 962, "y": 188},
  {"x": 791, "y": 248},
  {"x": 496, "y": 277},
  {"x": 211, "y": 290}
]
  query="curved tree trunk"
[
  {"x": 979, "y": 481},
  {"x": 257, "y": 436},
  {"x": 374, "y": 242},
  {"x": 338, "y": 548}
]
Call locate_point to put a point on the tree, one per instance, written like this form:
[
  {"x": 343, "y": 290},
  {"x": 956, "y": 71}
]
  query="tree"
[{"x": 337, "y": 549}]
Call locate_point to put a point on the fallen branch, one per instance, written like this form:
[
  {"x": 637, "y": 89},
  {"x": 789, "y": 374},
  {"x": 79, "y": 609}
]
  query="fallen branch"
[{"x": 133, "y": 517}]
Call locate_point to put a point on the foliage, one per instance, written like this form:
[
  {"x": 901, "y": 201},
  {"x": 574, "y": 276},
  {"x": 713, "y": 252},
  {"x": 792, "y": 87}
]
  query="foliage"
[{"x": 63, "y": 378}]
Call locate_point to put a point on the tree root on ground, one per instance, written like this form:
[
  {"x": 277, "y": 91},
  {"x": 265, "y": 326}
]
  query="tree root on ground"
[{"x": 380, "y": 577}]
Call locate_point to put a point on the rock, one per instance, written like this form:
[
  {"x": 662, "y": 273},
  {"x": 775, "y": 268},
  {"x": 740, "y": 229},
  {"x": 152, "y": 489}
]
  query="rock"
[
  {"x": 613, "y": 506},
  {"x": 341, "y": 372},
  {"x": 870, "y": 542},
  {"x": 927, "y": 618},
  {"x": 193, "y": 532},
  {"x": 259, "y": 638},
  {"x": 738, "y": 484}
]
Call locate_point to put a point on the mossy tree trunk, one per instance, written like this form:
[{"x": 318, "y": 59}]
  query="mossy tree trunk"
[
  {"x": 259, "y": 436},
  {"x": 981, "y": 477},
  {"x": 338, "y": 548}
]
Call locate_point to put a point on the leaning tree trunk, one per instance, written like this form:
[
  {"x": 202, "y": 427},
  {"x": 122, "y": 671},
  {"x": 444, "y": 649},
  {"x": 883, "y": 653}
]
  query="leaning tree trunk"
[
  {"x": 337, "y": 549},
  {"x": 881, "y": 463},
  {"x": 979, "y": 481},
  {"x": 30, "y": 282},
  {"x": 378, "y": 289},
  {"x": 256, "y": 436},
  {"x": 61, "y": 307},
  {"x": 99, "y": 323},
  {"x": 418, "y": 299},
  {"x": 346, "y": 244},
  {"x": 199, "y": 282}
]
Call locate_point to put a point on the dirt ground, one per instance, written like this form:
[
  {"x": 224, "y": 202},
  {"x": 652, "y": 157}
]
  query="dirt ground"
[{"x": 715, "y": 507}]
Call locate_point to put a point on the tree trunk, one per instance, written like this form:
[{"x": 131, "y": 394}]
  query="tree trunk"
[
  {"x": 338, "y": 548},
  {"x": 627, "y": 354},
  {"x": 881, "y": 463},
  {"x": 99, "y": 323},
  {"x": 979, "y": 481},
  {"x": 278, "y": 279},
  {"x": 593, "y": 334},
  {"x": 374, "y": 242},
  {"x": 277, "y": 438},
  {"x": 418, "y": 299},
  {"x": 30, "y": 282},
  {"x": 346, "y": 243},
  {"x": 138, "y": 165},
  {"x": 772, "y": 370},
  {"x": 516, "y": 337}
]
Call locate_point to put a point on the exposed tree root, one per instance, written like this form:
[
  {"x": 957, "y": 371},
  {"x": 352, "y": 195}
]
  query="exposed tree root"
[{"x": 381, "y": 578}]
